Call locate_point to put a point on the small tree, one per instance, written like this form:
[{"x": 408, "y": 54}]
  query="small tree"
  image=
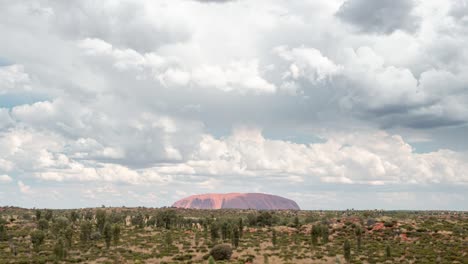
[
  {"x": 235, "y": 237},
  {"x": 314, "y": 234},
  {"x": 325, "y": 234},
  {"x": 347, "y": 250},
  {"x": 73, "y": 216},
  {"x": 388, "y": 251},
  {"x": 265, "y": 218},
  {"x": 107, "y": 234},
  {"x": 358, "y": 237},
  {"x": 100, "y": 220},
  {"x": 59, "y": 225},
  {"x": 38, "y": 215},
  {"x": 225, "y": 231},
  {"x": 138, "y": 221},
  {"x": 116, "y": 233},
  {"x": 48, "y": 215},
  {"x": 37, "y": 239},
  {"x": 68, "y": 234},
  {"x": 86, "y": 229},
  {"x": 3, "y": 232},
  {"x": 214, "y": 231},
  {"x": 168, "y": 239},
  {"x": 297, "y": 224},
  {"x": 88, "y": 215},
  {"x": 241, "y": 227},
  {"x": 274, "y": 238},
  {"x": 60, "y": 250},
  {"x": 42, "y": 224}
]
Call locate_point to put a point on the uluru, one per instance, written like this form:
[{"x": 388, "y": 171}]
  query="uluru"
[{"x": 258, "y": 201}]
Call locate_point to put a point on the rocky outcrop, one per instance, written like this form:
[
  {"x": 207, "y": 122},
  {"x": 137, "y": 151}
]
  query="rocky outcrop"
[{"x": 257, "y": 201}]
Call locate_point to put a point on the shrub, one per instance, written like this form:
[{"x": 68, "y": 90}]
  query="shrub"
[
  {"x": 3, "y": 233},
  {"x": 60, "y": 250},
  {"x": 37, "y": 238},
  {"x": 347, "y": 250},
  {"x": 95, "y": 236},
  {"x": 42, "y": 224},
  {"x": 48, "y": 215},
  {"x": 107, "y": 233},
  {"x": 221, "y": 252},
  {"x": 86, "y": 229},
  {"x": 59, "y": 225}
]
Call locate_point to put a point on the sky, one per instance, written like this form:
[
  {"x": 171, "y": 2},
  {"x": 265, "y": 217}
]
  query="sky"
[{"x": 335, "y": 104}]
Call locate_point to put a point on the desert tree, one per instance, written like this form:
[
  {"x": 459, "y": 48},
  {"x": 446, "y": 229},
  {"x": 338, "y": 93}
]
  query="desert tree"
[
  {"x": 88, "y": 215},
  {"x": 347, "y": 250},
  {"x": 168, "y": 239},
  {"x": 225, "y": 231},
  {"x": 241, "y": 227},
  {"x": 3, "y": 230},
  {"x": 235, "y": 236},
  {"x": 388, "y": 251},
  {"x": 315, "y": 234},
  {"x": 59, "y": 225},
  {"x": 37, "y": 239},
  {"x": 325, "y": 234},
  {"x": 100, "y": 220},
  {"x": 358, "y": 232},
  {"x": 214, "y": 232},
  {"x": 38, "y": 215},
  {"x": 68, "y": 235},
  {"x": 138, "y": 221},
  {"x": 297, "y": 223},
  {"x": 43, "y": 224},
  {"x": 48, "y": 214},
  {"x": 60, "y": 250},
  {"x": 116, "y": 233},
  {"x": 86, "y": 228},
  {"x": 274, "y": 239},
  {"x": 74, "y": 216},
  {"x": 107, "y": 234}
]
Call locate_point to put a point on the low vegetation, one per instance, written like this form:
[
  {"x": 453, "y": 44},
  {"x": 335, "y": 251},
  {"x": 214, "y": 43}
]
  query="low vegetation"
[{"x": 169, "y": 235}]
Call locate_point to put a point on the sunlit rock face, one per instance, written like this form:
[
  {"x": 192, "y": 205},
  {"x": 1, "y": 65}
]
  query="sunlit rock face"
[{"x": 258, "y": 201}]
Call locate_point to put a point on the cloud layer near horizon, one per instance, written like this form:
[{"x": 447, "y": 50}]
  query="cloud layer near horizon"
[{"x": 332, "y": 103}]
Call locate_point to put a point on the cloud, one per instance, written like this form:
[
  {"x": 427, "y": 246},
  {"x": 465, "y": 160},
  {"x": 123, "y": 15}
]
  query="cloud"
[
  {"x": 5, "y": 179},
  {"x": 459, "y": 10},
  {"x": 308, "y": 63},
  {"x": 282, "y": 97},
  {"x": 384, "y": 16},
  {"x": 13, "y": 79},
  {"x": 137, "y": 26},
  {"x": 360, "y": 158},
  {"x": 239, "y": 76},
  {"x": 395, "y": 96},
  {"x": 214, "y": 1},
  {"x": 25, "y": 189}
]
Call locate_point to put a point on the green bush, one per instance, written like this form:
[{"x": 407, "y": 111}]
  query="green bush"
[{"x": 221, "y": 252}]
